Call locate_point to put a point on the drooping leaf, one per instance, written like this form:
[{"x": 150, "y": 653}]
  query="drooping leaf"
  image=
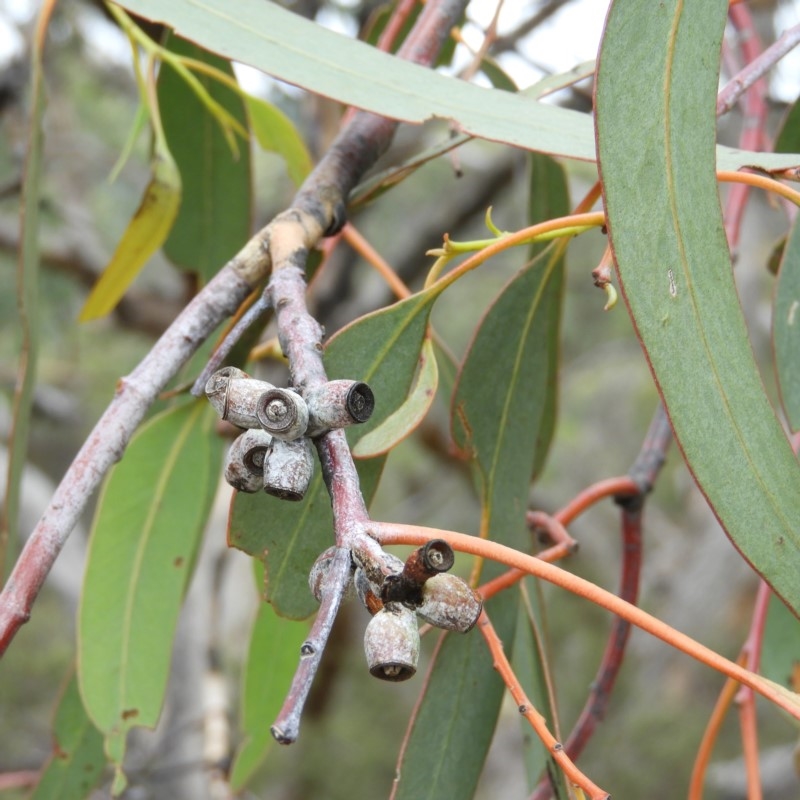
[
  {"x": 300, "y": 52},
  {"x": 270, "y": 666},
  {"x": 408, "y": 416},
  {"x": 786, "y": 328},
  {"x": 276, "y": 133},
  {"x": 497, "y": 76},
  {"x": 383, "y": 349},
  {"x": 788, "y": 138},
  {"x": 146, "y": 532},
  {"x": 215, "y": 213},
  {"x": 548, "y": 198},
  {"x": 560, "y": 80},
  {"x": 145, "y": 233},
  {"x": 27, "y": 287},
  {"x": 655, "y": 111},
  {"x": 373, "y": 186},
  {"x": 497, "y": 410},
  {"x": 453, "y": 728},
  {"x": 502, "y": 391},
  {"x": 78, "y": 760}
]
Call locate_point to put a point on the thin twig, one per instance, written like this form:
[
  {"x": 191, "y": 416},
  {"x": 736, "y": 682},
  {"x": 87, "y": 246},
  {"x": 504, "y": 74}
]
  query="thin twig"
[
  {"x": 389, "y": 533},
  {"x": 729, "y": 95},
  {"x": 287, "y": 724},
  {"x": 245, "y": 321},
  {"x": 710, "y": 735},
  {"x": 536, "y": 720},
  {"x": 361, "y": 245},
  {"x": 754, "y": 113}
]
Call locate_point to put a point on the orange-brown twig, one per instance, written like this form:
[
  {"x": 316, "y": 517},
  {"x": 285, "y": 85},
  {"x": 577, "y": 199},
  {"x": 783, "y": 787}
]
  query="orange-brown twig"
[
  {"x": 710, "y": 736},
  {"x": 351, "y": 235},
  {"x": 537, "y": 721},
  {"x": 760, "y": 182},
  {"x": 388, "y": 533},
  {"x": 610, "y": 487}
]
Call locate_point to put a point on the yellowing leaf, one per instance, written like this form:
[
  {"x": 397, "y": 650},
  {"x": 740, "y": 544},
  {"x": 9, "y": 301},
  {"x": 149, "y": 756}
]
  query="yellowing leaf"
[
  {"x": 145, "y": 233},
  {"x": 276, "y": 133}
]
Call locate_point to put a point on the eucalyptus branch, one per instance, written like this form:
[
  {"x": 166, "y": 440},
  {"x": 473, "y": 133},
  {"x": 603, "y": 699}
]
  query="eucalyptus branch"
[{"x": 317, "y": 209}]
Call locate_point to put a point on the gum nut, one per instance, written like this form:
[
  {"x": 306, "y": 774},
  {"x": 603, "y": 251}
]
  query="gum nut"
[
  {"x": 234, "y": 395},
  {"x": 391, "y": 643},
  {"x": 244, "y": 465},
  {"x": 289, "y": 468},
  {"x": 282, "y": 413},
  {"x": 337, "y": 404},
  {"x": 449, "y": 603}
]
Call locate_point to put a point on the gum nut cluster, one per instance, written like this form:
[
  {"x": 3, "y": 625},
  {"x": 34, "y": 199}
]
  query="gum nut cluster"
[
  {"x": 274, "y": 453},
  {"x": 398, "y": 598}
]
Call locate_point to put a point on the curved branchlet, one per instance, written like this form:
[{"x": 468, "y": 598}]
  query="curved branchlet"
[{"x": 281, "y": 246}]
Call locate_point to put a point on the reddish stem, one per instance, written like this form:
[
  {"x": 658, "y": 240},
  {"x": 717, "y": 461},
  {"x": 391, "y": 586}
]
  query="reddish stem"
[{"x": 754, "y": 114}]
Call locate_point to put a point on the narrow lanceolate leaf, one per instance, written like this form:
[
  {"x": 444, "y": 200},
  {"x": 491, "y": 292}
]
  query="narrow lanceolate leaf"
[
  {"x": 270, "y": 666},
  {"x": 215, "y": 213},
  {"x": 145, "y": 234},
  {"x": 786, "y": 329},
  {"x": 303, "y": 53},
  {"x": 655, "y": 106},
  {"x": 408, "y": 417},
  {"x": 27, "y": 295},
  {"x": 78, "y": 760},
  {"x": 454, "y": 725},
  {"x": 548, "y": 197},
  {"x": 147, "y": 529},
  {"x": 500, "y": 400},
  {"x": 498, "y": 406},
  {"x": 276, "y": 133},
  {"x": 382, "y": 349}
]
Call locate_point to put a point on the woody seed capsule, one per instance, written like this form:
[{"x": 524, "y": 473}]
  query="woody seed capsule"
[
  {"x": 244, "y": 466},
  {"x": 282, "y": 413},
  {"x": 449, "y": 603},
  {"x": 235, "y": 395},
  {"x": 337, "y": 404},
  {"x": 391, "y": 643},
  {"x": 288, "y": 470}
]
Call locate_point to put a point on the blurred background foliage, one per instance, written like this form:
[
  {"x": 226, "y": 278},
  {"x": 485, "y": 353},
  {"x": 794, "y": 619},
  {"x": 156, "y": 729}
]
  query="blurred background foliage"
[{"x": 693, "y": 578}]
